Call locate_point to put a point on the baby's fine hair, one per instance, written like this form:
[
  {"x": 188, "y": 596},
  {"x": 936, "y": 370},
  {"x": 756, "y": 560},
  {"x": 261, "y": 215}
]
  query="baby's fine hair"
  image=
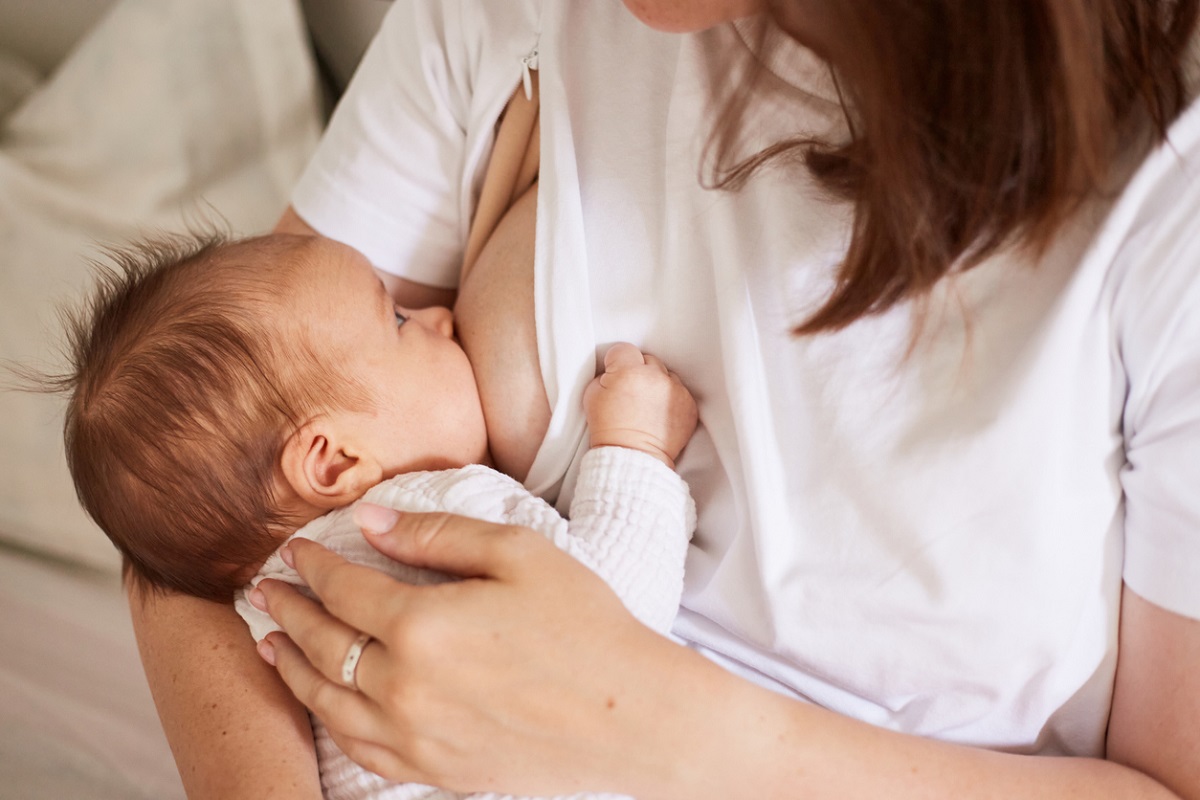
[{"x": 179, "y": 406}]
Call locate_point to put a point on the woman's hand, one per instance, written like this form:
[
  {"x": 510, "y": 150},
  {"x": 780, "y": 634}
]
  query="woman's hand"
[{"x": 528, "y": 676}]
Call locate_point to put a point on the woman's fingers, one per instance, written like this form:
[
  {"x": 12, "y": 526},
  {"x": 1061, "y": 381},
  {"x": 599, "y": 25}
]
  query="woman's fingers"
[
  {"x": 356, "y": 599},
  {"x": 350, "y": 592},
  {"x": 469, "y": 548},
  {"x": 323, "y": 640},
  {"x": 378, "y": 759},
  {"x": 352, "y": 713},
  {"x": 469, "y": 680}
]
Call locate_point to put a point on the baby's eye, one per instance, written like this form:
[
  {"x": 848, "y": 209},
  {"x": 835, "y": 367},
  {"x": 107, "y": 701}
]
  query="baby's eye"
[{"x": 400, "y": 318}]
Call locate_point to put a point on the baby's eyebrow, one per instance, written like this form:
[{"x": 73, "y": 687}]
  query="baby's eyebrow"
[{"x": 382, "y": 292}]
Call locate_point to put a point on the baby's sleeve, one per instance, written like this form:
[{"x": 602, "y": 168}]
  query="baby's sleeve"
[{"x": 631, "y": 519}]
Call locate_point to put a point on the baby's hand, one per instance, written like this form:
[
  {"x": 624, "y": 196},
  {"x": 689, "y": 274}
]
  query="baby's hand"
[{"x": 638, "y": 403}]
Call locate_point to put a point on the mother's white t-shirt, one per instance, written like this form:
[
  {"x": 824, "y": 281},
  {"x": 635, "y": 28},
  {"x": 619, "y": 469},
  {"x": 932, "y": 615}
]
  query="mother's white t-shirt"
[{"x": 933, "y": 543}]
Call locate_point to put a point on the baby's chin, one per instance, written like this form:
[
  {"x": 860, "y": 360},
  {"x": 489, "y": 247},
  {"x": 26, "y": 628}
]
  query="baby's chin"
[{"x": 485, "y": 458}]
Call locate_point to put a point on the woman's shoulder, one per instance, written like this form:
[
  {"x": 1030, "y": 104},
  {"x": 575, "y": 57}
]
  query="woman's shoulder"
[
  {"x": 466, "y": 36},
  {"x": 1151, "y": 236},
  {"x": 1155, "y": 275},
  {"x": 1166, "y": 178}
]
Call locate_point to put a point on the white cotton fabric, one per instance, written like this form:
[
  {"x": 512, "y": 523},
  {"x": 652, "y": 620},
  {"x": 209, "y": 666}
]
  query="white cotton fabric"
[
  {"x": 630, "y": 523},
  {"x": 934, "y": 541}
]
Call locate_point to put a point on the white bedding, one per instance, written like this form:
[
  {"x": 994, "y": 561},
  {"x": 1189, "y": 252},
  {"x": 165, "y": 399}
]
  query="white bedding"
[
  {"x": 168, "y": 110},
  {"x": 165, "y": 109},
  {"x": 76, "y": 718}
]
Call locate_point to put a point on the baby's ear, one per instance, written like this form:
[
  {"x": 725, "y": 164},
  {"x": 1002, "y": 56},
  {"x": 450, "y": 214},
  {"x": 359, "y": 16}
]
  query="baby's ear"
[{"x": 325, "y": 467}]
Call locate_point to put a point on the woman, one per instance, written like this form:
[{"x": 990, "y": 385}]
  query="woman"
[{"x": 946, "y": 369}]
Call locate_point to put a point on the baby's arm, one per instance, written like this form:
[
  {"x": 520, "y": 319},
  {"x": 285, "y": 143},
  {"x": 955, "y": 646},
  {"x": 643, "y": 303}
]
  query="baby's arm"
[{"x": 632, "y": 515}]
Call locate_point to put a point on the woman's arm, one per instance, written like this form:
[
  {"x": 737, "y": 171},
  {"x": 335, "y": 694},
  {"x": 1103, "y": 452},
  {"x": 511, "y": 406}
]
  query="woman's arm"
[
  {"x": 1155, "y": 722},
  {"x": 608, "y": 705},
  {"x": 235, "y": 729},
  {"x": 405, "y": 292}
]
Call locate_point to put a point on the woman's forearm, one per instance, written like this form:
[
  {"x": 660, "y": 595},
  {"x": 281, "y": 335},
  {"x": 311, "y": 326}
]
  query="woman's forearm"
[
  {"x": 607, "y": 704},
  {"x": 234, "y": 728},
  {"x": 739, "y": 740},
  {"x": 782, "y": 749}
]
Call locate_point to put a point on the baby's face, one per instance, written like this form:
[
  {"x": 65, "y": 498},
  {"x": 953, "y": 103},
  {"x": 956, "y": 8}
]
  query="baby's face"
[{"x": 426, "y": 411}]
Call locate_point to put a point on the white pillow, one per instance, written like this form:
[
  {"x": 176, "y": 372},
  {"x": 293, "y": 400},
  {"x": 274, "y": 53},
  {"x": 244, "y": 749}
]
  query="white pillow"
[{"x": 167, "y": 108}]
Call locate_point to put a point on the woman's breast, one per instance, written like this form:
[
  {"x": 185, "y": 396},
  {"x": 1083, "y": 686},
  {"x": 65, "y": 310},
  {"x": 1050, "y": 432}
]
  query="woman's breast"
[{"x": 495, "y": 323}]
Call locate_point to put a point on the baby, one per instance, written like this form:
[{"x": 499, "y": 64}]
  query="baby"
[{"x": 226, "y": 393}]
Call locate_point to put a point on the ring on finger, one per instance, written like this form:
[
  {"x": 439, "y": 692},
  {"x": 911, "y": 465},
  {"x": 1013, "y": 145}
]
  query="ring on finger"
[{"x": 353, "y": 656}]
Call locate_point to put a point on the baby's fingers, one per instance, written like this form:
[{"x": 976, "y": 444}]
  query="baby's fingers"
[
  {"x": 655, "y": 361},
  {"x": 623, "y": 355}
]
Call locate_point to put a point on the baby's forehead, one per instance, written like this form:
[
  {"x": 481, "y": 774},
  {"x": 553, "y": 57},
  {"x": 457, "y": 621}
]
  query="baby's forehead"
[
  {"x": 333, "y": 272},
  {"x": 271, "y": 269},
  {"x": 326, "y": 287},
  {"x": 251, "y": 265},
  {"x": 286, "y": 254}
]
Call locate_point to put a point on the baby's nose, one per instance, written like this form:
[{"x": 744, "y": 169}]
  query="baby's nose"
[{"x": 436, "y": 318}]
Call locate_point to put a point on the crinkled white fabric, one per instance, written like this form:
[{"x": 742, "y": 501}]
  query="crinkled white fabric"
[
  {"x": 630, "y": 523},
  {"x": 934, "y": 542}
]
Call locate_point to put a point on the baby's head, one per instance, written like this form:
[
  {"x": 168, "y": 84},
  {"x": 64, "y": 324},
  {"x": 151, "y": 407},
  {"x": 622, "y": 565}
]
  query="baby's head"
[{"x": 223, "y": 393}]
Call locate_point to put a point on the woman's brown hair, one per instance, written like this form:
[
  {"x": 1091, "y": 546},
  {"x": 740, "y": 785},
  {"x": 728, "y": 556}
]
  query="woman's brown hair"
[{"x": 975, "y": 125}]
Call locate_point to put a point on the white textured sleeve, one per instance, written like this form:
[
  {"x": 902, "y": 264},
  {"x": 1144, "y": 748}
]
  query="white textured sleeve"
[
  {"x": 1158, "y": 323},
  {"x": 631, "y": 519}
]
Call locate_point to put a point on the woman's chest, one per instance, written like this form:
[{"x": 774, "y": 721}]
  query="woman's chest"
[
  {"x": 495, "y": 324},
  {"x": 863, "y": 493}
]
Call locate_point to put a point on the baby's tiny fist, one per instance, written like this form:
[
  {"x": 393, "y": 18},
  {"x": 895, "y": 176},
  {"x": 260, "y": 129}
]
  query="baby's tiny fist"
[{"x": 637, "y": 403}]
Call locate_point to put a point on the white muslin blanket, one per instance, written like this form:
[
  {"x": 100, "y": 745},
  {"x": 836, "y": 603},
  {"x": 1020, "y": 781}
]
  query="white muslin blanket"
[{"x": 631, "y": 519}]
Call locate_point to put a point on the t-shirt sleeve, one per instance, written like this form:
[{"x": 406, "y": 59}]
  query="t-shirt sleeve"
[
  {"x": 1158, "y": 334},
  {"x": 387, "y": 176}
]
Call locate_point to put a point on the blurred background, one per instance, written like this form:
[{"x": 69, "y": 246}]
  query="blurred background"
[{"x": 119, "y": 118}]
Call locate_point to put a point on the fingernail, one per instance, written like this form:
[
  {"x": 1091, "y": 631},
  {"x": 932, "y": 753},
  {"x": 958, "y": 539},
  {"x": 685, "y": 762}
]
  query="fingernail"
[
  {"x": 288, "y": 558},
  {"x": 258, "y": 599},
  {"x": 267, "y": 651},
  {"x": 375, "y": 519}
]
